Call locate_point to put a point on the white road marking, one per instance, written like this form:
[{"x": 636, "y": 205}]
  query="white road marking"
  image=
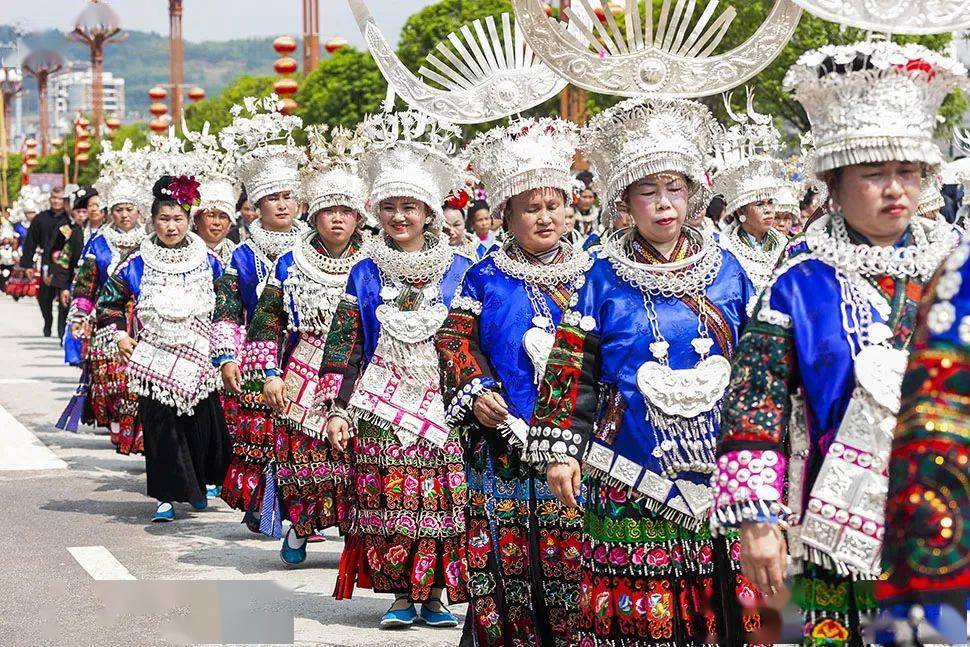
[
  {"x": 22, "y": 450},
  {"x": 100, "y": 563}
]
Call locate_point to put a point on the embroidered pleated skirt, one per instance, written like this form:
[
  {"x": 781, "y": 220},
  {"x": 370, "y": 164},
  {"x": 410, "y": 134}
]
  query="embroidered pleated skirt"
[
  {"x": 408, "y": 532},
  {"x": 254, "y": 432},
  {"x": 183, "y": 452},
  {"x": 524, "y": 553},
  {"x": 647, "y": 580}
]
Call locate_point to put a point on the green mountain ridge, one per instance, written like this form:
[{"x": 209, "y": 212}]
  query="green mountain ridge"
[{"x": 142, "y": 60}]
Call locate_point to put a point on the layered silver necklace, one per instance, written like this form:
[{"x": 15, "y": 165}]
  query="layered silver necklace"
[
  {"x": 318, "y": 284},
  {"x": 682, "y": 404},
  {"x": 121, "y": 243},
  {"x": 538, "y": 339},
  {"x": 757, "y": 263},
  {"x": 269, "y": 245}
]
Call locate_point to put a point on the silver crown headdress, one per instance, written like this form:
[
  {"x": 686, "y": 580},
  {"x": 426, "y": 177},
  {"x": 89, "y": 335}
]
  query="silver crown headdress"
[
  {"x": 215, "y": 166},
  {"x": 787, "y": 199},
  {"x": 526, "y": 154},
  {"x": 125, "y": 176},
  {"x": 267, "y": 157},
  {"x": 408, "y": 155},
  {"x": 873, "y": 101},
  {"x": 331, "y": 176},
  {"x": 34, "y": 199},
  {"x": 894, "y": 16},
  {"x": 930, "y": 195},
  {"x": 674, "y": 59},
  {"x": 640, "y": 137},
  {"x": 745, "y": 167},
  {"x": 478, "y": 74}
]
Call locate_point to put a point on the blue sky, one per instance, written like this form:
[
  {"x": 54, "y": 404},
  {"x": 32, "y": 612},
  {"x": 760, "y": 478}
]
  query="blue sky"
[{"x": 218, "y": 19}]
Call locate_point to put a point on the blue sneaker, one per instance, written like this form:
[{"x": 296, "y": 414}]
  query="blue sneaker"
[
  {"x": 200, "y": 505},
  {"x": 399, "y": 618},
  {"x": 441, "y": 618},
  {"x": 163, "y": 513},
  {"x": 292, "y": 556},
  {"x": 212, "y": 491}
]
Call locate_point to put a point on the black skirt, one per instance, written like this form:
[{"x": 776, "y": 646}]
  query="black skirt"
[{"x": 184, "y": 453}]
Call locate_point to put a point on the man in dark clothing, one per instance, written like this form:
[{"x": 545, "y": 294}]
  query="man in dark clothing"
[{"x": 40, "y": 233}]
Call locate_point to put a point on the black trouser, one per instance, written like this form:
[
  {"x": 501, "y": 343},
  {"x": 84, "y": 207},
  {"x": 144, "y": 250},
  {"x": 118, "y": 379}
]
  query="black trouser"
[{"x": 45, "y": 298}]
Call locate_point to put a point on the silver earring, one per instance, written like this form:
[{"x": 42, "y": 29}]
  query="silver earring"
[{"x": 742, "y": 218}]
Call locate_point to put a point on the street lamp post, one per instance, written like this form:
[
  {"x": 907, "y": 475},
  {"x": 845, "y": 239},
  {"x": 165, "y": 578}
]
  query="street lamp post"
[
  {"x": 11, "y": 82},
  {"x": 311, "y": 35},
  {"x": 176, "y": 59},
  {"x": 97, "y": 26},
  {"x": 40, "y": 64}
]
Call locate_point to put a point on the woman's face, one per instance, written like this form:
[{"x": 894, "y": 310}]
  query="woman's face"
[
  {"x": 247, "y": 212},
  {"x": 277, "y": 211},
  {"x": 403, "y": 220},
  {"x": 537, "y": 218},
  {"x": 878, "y": 200},
  {"x": 783, "y": 223},
  {"x": 481, "y": 223},
  {"x": 124, "y": 216},
  {"x": 171, "y": 224},
  {"x": 657, "y": 204},
  {"x": 759, "y": 217},
  {"x": 336, "y": 225},
  {"x": 212, "y": 226}
]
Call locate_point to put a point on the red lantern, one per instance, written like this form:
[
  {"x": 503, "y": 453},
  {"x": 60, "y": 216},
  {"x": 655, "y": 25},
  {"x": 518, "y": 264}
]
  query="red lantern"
[
  {"x": 196, "y": 93},
  {"x": 158, "y": 109},
  {"x": 113, "y": 123},
  {"x": 157, "y": 93},
  {"x": 285, "y": 65},
  {"x": 284, "y": 45},
  {"x": 82, "y": 122},
  {"x": 288, "y": 107},
  {"x": 30, "y": 143},
  {"x": 285, "y": 87},
  {"x": 83, "y": 145},
  {"x": 334, "y": 44},
  {"x": 31, "y": 162},
  {"x": 82, "y": 158},
  {"x": 158, "y": 125}
]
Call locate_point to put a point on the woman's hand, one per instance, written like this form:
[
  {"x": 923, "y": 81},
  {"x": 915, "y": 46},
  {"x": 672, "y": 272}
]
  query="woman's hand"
[
  {"x": 564, "y": 480},
  {"x": 231, "y": 377},
  {"x": 338, "y": 432},
  {"x": 490, "y": 409},
  {"x": 273, "y": 393},
  {"x": 126, "y": 346},
  {"x": 763, "y": 556}
]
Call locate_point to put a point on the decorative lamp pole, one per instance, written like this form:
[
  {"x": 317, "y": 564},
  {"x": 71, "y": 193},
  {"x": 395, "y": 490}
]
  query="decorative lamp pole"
[
  {"x": 97, "y": 26},
  {"x": 285, "y": 66},
  {"x": 11, "y": 83},
  {"x": 41, "y": 64},
  {"x": 311, "y": 35},
  {"x": 176, "y": 59},
  {"x": 160, "y": 123}
]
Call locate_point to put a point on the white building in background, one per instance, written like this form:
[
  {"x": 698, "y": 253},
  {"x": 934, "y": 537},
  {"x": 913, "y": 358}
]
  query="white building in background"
[{"x": 70, "y": 92}]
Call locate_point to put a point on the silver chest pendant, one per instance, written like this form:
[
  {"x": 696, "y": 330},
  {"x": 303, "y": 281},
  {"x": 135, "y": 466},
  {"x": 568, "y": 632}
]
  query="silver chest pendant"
[{"x": 538, "y": 343}]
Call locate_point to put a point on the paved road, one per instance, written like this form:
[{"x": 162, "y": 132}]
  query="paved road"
[{"x": 82, "y": 566}]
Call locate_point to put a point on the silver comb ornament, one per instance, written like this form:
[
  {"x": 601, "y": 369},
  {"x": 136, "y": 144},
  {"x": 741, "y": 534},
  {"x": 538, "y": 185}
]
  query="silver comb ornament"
[
  {"x": 894, "y": 16},
  {"x": 672, "y": 56},
  {"x": 483, "y": 72}
]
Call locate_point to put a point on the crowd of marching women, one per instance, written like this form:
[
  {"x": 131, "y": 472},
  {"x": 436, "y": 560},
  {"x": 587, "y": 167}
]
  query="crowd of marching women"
[{"x": 633, "y": 404}]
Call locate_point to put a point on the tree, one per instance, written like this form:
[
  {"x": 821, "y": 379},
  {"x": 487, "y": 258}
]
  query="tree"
[
  {"x": 215, "y": 110},
  {"x": 53, "y": 162},
  {"x": 341, "y": 90}
]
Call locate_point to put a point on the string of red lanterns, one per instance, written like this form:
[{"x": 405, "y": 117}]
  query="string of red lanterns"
[{"x": 285, "y": 66}]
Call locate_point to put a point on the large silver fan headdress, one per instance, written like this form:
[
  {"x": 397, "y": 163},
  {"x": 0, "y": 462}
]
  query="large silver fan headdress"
[
  {"x": 894, "y": 16},
  {"x": 482, "y": 73},
  {"x": 674, "y": 60}
]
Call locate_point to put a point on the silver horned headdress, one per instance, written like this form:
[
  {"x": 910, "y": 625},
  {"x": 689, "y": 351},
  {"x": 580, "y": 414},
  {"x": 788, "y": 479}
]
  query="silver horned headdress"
[
  {"x": 873, "y": 101},
  {"x": 640, "y": 137},
  {"x": 675, "y": 58},
  {"x": 526, "y": 154},
  {"x": 482, "y": 72},
  {"x": 331, "y": 177},
  {"x": 267, "y": 157},
  {"x": 745, "y": 167},
  {"x": 894, "y": 16},
  {"x": 408, "y": 155},
  {"x": 218, "y": 187}
]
